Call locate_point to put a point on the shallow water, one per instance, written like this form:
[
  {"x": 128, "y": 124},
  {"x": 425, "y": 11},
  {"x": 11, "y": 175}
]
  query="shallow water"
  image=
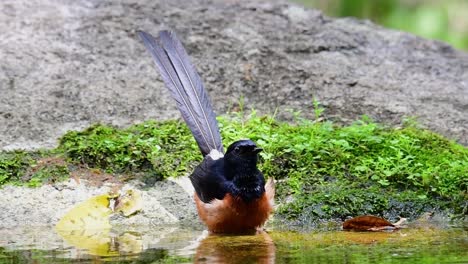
[{"x": 186, "y": 245}]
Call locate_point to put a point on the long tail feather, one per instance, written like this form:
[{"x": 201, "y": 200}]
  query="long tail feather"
[{"x": 186, "y": 88}]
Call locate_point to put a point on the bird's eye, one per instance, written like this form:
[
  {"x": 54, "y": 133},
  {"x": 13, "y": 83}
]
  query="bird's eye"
[{"x": 236, "y": 149}]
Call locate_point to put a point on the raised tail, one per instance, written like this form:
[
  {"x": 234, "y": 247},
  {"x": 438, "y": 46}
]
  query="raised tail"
[{"x": 186, "y": 88}]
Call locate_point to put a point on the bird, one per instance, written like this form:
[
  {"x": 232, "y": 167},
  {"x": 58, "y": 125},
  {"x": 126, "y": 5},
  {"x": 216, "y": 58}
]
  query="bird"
[{"x": 231, "y": 193}]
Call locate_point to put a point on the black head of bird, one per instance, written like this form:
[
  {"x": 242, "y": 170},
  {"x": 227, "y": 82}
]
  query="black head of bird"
[{"x": 241, "y": 159}]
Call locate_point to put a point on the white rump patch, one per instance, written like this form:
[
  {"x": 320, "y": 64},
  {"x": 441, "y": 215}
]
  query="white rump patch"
[{"x": 215, "y": 154}]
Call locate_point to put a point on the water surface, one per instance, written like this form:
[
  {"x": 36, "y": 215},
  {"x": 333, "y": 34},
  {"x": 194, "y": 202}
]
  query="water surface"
[{"x": 175, "y": 244}]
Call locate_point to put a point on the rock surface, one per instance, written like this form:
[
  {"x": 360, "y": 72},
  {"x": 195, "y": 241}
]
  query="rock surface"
[{"x": 67, "y": 64}]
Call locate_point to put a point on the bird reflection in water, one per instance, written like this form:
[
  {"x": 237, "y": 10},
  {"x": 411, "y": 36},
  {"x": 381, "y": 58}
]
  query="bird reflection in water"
[{"x": 258, "y": 248}]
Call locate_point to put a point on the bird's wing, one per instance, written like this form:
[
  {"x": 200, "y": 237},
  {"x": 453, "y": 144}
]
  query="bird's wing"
[{"x": 208, "y": 179}]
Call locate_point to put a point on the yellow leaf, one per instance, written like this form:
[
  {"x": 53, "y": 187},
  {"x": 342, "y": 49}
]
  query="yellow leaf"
[
  {"x": 129, "y": 203},
  {"x": 97, "y": 242},
  {"x": 91, "y": 214}
]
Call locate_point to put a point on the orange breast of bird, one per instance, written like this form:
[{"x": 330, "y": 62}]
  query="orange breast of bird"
[{"x": 233, "y": 215}]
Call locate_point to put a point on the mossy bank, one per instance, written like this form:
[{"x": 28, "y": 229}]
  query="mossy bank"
[{"x": 323, "y": 171}]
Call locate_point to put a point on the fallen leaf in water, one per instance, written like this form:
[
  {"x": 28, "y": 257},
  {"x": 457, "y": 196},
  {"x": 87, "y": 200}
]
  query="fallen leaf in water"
[
  {"x": 97, "y": 242},
  {"x": 91, "y": 214},
  {"x": 87, "y": 226},
  {"x": 368, "y": 223},
  {"x": 366, "y": 237}
]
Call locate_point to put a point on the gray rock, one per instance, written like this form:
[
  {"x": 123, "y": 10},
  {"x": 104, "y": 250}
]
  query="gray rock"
[{"x": 67, "y": 64}]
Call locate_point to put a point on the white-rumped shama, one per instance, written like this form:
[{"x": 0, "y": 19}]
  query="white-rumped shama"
[{"x": 231, "y": 194}]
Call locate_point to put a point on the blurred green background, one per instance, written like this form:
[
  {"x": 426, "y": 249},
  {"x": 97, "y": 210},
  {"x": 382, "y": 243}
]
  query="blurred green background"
[{"x": 445, "y": 20}]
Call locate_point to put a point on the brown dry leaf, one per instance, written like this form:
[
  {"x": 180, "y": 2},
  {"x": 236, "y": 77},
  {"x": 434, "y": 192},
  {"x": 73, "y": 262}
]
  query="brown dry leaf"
[{"x": 368, "y": 223}]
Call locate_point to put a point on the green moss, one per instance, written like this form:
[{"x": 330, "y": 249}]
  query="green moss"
[
  {"x": 13, "y": 165},
  {"x": 46, "y": 170},
  {"x": 323, "y": 170},
  {"x": 162, "y": 149},
  {"x": 31, "y": 168}
]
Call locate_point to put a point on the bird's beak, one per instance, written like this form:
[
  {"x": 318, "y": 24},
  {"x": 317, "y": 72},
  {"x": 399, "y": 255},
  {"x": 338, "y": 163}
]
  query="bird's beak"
[{"x": 257, "y": 150}]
